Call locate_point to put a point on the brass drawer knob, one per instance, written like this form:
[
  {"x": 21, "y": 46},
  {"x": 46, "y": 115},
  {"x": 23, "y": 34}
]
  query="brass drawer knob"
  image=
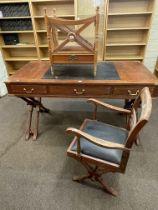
[
  {"x": 133, "y": 94},
  {"x": 28, "y": 91},
  {"x": 79, "y": 92}
]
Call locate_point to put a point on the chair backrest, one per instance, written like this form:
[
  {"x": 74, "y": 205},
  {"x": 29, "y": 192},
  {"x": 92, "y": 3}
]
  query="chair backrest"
[
  {"x": 55, "y": 24},
  {"x": 137, "y": 120}
]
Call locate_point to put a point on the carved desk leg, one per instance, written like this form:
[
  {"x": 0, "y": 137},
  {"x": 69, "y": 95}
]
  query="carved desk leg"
[
  {"x": 38, "y": 106},
  {"x": 36, "y": 125},
  {"x": 28, "y": 130}
]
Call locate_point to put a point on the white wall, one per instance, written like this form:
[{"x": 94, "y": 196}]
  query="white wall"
[
  {"x": 3, "y": 76},
  {"x": 152, "y": 48}
]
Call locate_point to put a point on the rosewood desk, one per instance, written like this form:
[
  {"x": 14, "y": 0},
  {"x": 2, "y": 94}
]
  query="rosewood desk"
[{"x": 29, "y": 85}]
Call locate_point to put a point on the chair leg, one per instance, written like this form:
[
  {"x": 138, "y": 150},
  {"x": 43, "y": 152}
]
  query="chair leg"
[
  {"x": 92, "y": 177},
  {"x": 94, "y": 174},
  {"x": 108, "y": 189},
  {"x": 81, "y": 178}
]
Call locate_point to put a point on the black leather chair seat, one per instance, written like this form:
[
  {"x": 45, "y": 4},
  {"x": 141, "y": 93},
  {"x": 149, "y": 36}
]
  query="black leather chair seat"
[{"x": 105, "y": 132}]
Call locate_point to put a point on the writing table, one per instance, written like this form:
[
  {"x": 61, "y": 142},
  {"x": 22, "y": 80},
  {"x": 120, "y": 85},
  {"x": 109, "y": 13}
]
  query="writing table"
[{"x": 28, "y": 84}]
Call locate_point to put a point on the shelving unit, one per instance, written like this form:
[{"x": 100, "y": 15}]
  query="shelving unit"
[
  {"x": 127, "y": 28},
  {"x": 123, "y": 32},
  {"x": 64, "y": 8},
  {"x": 17, "y": 34},
  {"x": 30, "y": 44}
]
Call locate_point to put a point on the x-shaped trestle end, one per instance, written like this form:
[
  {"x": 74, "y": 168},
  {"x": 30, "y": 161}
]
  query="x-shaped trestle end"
[{"x": 95, "y": 174}]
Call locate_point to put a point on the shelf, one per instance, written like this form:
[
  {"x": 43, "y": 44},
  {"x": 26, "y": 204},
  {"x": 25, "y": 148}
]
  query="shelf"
[
  {"x": 13, "y": 1},
  {"x": 117, "y": 58},
  {"x": 41, "y": 31},
  {"x": 43, "y": 45},
  {"x": 134, "y": 28},
  {"x": 15, "y": 32},
  {"x": 13, "y": 66},
  {"x": 63, "y": 7},
  {"x": 129, "y": 21},
  {"x": 129, "y": 13},
  {"x": 21, "y": 59},
  {"x": 44, "y": 52},
  {"x": 45, "y": 59},
  {"x": 125, "y": 44},
  {"x": 24, "y": 40},
  {"x": 19, "y": 17},
  {"x": 19, "y": 46},
  {"x": 45, "y": 31},
  {"x": 47, "y": 1},
  {"x": 124, "y": 52},
  {"x": 42, "y": 38},
  {"x": 131, "y": 6},
  {"x": 127, "y": 36},
  {"x": 20, "y": 54},
  {"x": 40, "y": 21},
  {"x": 59, "y": 16}
]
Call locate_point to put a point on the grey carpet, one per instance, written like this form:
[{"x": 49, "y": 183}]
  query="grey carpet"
[{"x": 37, "y": 175}]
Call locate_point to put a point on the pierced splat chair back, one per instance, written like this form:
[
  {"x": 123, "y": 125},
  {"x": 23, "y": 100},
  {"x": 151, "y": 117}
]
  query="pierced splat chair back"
[{"x": 84, "y": 52}]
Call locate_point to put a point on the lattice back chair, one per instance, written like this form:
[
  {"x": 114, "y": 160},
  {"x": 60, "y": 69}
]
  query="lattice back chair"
[
  {"x": 103, "y": 148},
  {"x": 60, "y": 53}
]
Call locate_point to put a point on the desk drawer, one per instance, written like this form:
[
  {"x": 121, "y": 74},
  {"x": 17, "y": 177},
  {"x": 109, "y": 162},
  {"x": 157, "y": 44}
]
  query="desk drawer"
[
  {"x": 129, "y": 91},
  {"x": 78, "y": 90},
  {"x": 28, "y": 89},
  {"x": 73, "y": 59}
]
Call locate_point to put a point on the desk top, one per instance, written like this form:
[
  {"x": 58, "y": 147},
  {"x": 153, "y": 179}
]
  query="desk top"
[
  {"x": 133, "y": 76},
  {"x": 130, "y": 72}
]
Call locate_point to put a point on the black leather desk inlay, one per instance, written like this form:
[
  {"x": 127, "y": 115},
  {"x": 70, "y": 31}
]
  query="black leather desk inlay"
[{"x": 105, "y": 71}]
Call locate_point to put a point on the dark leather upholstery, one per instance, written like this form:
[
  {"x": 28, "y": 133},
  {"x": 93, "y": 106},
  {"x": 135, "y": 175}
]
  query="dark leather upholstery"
[
  {"x": 105, "y": 71},
  {"x": 103, "y": 131}
]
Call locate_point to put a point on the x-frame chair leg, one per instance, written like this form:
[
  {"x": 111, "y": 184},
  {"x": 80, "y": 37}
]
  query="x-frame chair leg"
[
  {"x": 95, "y": 174},
  {"x": 81, "y": 178},
  {"x": 105, "y": 186}
]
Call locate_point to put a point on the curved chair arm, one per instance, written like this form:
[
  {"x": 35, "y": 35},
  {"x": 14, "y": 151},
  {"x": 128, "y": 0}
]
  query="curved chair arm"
[
  {"x": 95, "y": 140},
  {"x": 109, "y": 106}
]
